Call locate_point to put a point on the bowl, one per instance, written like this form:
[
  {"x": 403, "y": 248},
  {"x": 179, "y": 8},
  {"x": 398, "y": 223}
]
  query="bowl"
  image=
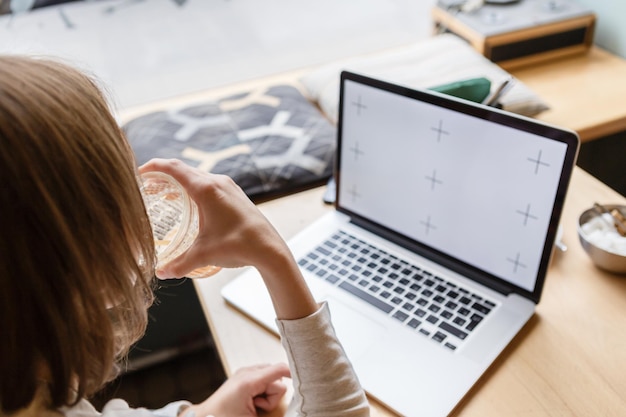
[{"x": 603, "y": 252}]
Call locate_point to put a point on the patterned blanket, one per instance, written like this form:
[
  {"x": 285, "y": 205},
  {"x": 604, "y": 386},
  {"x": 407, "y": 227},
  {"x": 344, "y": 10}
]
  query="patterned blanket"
[{"x": 271, "y": 141}]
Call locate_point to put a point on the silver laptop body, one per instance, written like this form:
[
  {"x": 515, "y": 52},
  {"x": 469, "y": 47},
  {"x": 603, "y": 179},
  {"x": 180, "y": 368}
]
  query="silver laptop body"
[{"x": 436, "y": 255}]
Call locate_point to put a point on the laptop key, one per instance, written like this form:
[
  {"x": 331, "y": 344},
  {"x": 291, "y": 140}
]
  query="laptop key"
[
  {"x": 414, "y": 323},
  {"x": 366, "y": 297},
  {"x": 323, "y": 251},
  {"x": 332, "y": 278},
  {"x": 464, "y": 300},
  {"x": 455, "y": 331},
  {"x": 400, "y": 315},
  {"x": 432, "y": 319},
  {"x": 460, "y": 321},
  {"x": 474, "y": 320},
  {"x": 453, "y": 294},
  {"x": 481, "y": 308},
  {"x": 439, "y": 337}
]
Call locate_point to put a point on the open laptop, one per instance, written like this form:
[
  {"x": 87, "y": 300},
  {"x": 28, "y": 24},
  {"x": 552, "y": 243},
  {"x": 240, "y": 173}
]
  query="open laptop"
[{"x": 436, "y": 255}]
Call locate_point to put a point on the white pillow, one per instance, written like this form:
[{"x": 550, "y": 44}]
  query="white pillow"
[{"x": 432, "y": 62}]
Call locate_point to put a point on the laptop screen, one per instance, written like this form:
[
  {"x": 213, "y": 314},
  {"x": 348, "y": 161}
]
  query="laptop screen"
[{"x": 475, "y": 186}]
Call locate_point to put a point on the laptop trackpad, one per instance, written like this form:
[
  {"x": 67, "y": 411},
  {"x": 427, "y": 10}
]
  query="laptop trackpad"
[{"x": 356, "y": 332}]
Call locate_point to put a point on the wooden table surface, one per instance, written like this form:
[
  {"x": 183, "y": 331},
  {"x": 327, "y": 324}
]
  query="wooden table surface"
[{"x": 586, "y": 92}]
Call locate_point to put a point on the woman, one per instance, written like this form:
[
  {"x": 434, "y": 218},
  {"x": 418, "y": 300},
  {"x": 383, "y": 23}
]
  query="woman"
[{"x": 77, "y": 263}]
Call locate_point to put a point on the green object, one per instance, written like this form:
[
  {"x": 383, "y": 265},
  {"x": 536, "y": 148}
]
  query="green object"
[{"x": 474, "y": 89}]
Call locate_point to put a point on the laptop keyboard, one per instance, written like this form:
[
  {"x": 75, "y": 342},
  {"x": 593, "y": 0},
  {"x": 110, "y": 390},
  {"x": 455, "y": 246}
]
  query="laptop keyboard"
[{"x": 433, "y": 307}]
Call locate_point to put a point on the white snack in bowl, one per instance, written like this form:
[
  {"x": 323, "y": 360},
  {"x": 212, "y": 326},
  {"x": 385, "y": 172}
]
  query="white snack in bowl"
[{"x": 601, "y": 232}]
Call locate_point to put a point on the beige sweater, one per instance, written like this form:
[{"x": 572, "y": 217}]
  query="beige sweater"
[{"x": 325, "y": 384}]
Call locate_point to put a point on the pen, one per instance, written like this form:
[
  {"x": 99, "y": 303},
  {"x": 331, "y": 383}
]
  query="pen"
[{"x": 492, "y": 99}]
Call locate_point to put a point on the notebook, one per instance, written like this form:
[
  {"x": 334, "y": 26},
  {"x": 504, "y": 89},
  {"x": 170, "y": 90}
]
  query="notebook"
[{"x": 436, "y": 253}]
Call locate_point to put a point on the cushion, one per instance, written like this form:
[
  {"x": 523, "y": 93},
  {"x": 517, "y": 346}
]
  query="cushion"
[
  {"x": 272, "y": 141},
  {"x": 428, "y": 63}
]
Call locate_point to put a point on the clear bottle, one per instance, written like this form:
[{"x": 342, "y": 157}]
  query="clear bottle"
[{"x": 174, "y": 219}]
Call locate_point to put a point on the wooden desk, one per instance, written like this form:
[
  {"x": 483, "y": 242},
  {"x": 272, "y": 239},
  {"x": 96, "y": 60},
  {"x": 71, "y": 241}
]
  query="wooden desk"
[
  {"x": 586, "y": 93},
  {"x": 570, "y": 360}
]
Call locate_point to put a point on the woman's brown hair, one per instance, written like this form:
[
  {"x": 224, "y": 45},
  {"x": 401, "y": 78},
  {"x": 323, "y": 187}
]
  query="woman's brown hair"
[{"x": 76, "y": 251}]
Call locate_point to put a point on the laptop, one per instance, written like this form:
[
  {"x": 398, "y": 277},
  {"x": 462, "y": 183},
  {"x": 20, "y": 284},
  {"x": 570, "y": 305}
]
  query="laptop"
[{"x": 436, "y": 253}]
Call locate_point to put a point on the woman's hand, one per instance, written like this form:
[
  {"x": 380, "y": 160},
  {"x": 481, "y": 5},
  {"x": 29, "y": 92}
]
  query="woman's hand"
[
  {"x": 234, "y": 233},
  {"x": 249, "y": 389}
]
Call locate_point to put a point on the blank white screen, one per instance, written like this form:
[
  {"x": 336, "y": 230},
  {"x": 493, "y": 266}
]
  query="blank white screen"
[{"x": 473, "y": 189}]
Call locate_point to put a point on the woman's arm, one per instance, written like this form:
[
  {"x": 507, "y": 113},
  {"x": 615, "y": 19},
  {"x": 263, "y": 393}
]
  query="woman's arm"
[
  {"x": 325, "y": 384},
  {"x": 234, "y": 233}
]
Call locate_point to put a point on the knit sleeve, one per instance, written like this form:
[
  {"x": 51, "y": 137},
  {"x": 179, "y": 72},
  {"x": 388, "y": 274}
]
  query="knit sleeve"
[{"x": 325, "y": 383}]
